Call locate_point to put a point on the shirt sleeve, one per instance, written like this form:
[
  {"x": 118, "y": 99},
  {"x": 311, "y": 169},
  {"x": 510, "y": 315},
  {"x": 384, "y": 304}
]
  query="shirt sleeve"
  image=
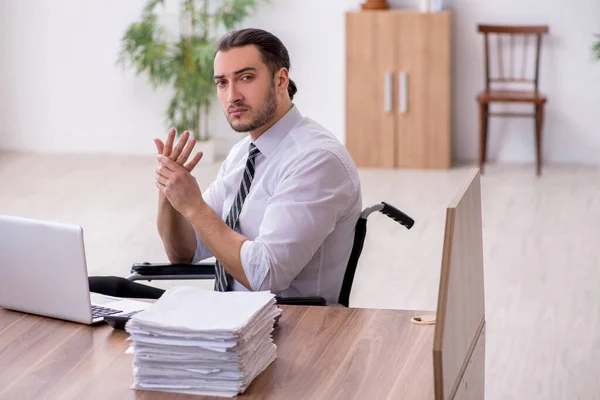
[
  {"x": 214, "y": 196},
  {"x": 314, "y": 191}
]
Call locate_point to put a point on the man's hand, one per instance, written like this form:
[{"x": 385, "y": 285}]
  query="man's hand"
[
  {"x": 179, "y": 154},
  {"x": 176, "y": 232},
  {"x": 179, "y": 186},
  {"x": 182, "y": 150}
]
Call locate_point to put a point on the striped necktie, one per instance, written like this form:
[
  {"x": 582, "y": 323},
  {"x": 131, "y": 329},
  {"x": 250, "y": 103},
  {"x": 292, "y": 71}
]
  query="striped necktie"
[{"x": 221, "y": 276}]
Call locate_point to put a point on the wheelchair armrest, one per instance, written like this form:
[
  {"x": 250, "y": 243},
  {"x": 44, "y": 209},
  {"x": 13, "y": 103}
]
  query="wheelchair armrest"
[
  {"x": 145, "y": 269},
  {"x": 301, "y": 301},
  {"x": 208, "y": 269}
]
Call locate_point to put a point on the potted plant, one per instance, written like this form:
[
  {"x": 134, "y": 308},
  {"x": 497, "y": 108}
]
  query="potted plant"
[
  {"x": 596, "y": 48},
  {"x": 183, "y": 58}
]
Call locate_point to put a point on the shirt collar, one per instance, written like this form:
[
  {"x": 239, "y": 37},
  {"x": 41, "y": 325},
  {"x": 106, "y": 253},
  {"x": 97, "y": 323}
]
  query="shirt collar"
[{"x": 270, "y": 139}]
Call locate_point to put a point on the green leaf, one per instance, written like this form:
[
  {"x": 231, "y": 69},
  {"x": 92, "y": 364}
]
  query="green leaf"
[
  {"x": 596, "y": 48},
  {"x": 143, "y": 48},
  {"x": 152, "y": 4},
  {"x": 232, "y": 12}
]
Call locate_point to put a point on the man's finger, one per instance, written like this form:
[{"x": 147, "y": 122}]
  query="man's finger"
[
  {"x": 162, "y": 180},
  {"x": 160, "y": 146},
  {"x": 185, "y": 154},
  {"x": 180, "y": 145},
  {"x": 164, "y": 171},
  {"x": 194, "y": 161},
  {"x": 168, "y": 163},
  {"x": 160, "y": 186},
  {"x": 169, "y": 143}
]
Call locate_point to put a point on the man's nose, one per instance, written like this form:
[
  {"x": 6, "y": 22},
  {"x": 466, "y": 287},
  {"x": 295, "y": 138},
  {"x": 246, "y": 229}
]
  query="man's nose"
[{"x": 233, "y": 95}]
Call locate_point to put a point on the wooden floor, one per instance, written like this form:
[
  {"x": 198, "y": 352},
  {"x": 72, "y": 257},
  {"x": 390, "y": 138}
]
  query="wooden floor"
[{"x": 541, "y": 251}]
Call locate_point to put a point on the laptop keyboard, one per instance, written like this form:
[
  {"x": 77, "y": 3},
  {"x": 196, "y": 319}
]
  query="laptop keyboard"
[
  {"x": 99, "y": 311},
  {"x": 130, "y": 314}
]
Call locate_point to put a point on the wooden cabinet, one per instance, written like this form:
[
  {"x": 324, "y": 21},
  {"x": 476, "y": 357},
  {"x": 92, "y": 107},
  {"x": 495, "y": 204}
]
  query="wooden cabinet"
[{"x": 398, "y": 89}]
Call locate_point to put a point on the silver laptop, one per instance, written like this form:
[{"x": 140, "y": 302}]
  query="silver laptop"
[{"x": 43, "y": 271}]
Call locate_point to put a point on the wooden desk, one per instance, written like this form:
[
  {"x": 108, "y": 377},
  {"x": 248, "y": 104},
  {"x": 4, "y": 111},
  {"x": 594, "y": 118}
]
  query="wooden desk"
[{"x": 323, "y": 353}]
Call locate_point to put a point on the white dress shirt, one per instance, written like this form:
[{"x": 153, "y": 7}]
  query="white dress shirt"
[{"x": 301, "y": 211}]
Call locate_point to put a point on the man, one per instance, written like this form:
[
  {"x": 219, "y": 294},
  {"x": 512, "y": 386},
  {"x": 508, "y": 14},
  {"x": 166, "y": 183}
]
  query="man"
[{"x": 280, "y": 215}]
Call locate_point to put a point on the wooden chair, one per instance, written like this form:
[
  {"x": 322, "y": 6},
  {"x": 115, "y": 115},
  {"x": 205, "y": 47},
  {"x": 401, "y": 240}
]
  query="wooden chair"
[{"x": 509, "y": 77}]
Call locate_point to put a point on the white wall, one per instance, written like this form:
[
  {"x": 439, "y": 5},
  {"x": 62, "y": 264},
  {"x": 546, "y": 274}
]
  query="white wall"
[
  {"x": 60, "y": 89},
  {"x": 64, "y": 91}
]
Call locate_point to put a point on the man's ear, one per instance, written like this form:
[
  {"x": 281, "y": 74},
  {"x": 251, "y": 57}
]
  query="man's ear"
[{"x": 282, "y": 79}]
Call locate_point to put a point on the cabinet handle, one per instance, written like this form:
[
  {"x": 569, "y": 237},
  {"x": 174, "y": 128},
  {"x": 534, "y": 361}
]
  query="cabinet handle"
[
  {"x": 403, "y": 83},
  {"x": 387, "y": 92}
]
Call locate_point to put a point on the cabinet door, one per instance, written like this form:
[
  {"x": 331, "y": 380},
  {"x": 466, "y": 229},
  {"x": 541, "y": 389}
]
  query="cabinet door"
[
  {"x": 370, "y": 120},
  {"x": 423, "y": 67}
]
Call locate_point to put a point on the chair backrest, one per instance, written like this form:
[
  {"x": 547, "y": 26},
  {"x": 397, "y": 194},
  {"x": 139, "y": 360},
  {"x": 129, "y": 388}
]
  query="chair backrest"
[
  {"x": 508, "y": 70},
  {"x": 459, "y": 338}
]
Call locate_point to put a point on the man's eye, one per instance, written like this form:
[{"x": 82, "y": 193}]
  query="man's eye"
[
  {"x": 246, "y": 77},
  {"x": 219, "y": 83}
]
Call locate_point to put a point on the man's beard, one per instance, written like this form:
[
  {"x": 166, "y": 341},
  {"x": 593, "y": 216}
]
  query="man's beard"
[{"x": 265, "y": 114}]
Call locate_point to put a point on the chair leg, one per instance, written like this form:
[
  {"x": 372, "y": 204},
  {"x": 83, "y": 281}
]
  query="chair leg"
[
  {"x": 539, "y": 121},
  {"x": 483, "y": 133}
]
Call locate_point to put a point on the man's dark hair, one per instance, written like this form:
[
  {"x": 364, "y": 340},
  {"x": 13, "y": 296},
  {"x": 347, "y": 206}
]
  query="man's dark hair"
[{"x": 272, "y": 50}]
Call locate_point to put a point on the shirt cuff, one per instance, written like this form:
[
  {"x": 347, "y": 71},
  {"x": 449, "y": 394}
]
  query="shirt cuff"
[
  {"x": 255, "y": 265},
  {"x": 201, "y": 252}
]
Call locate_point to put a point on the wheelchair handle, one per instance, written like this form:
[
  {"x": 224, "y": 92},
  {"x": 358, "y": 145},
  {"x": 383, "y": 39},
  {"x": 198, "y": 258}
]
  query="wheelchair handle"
[
  {"x": 397, "y": 215},
  {"x": 391, "y": 212}
]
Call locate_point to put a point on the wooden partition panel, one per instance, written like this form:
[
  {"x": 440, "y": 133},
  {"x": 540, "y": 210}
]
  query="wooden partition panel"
[
  {"x": 461, "y": 304},
  {"x": 472, "y": 384}
]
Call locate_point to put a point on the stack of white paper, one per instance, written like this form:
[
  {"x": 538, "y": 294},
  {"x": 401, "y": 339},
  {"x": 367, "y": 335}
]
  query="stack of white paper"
[{"x": 203, "y": 342}]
